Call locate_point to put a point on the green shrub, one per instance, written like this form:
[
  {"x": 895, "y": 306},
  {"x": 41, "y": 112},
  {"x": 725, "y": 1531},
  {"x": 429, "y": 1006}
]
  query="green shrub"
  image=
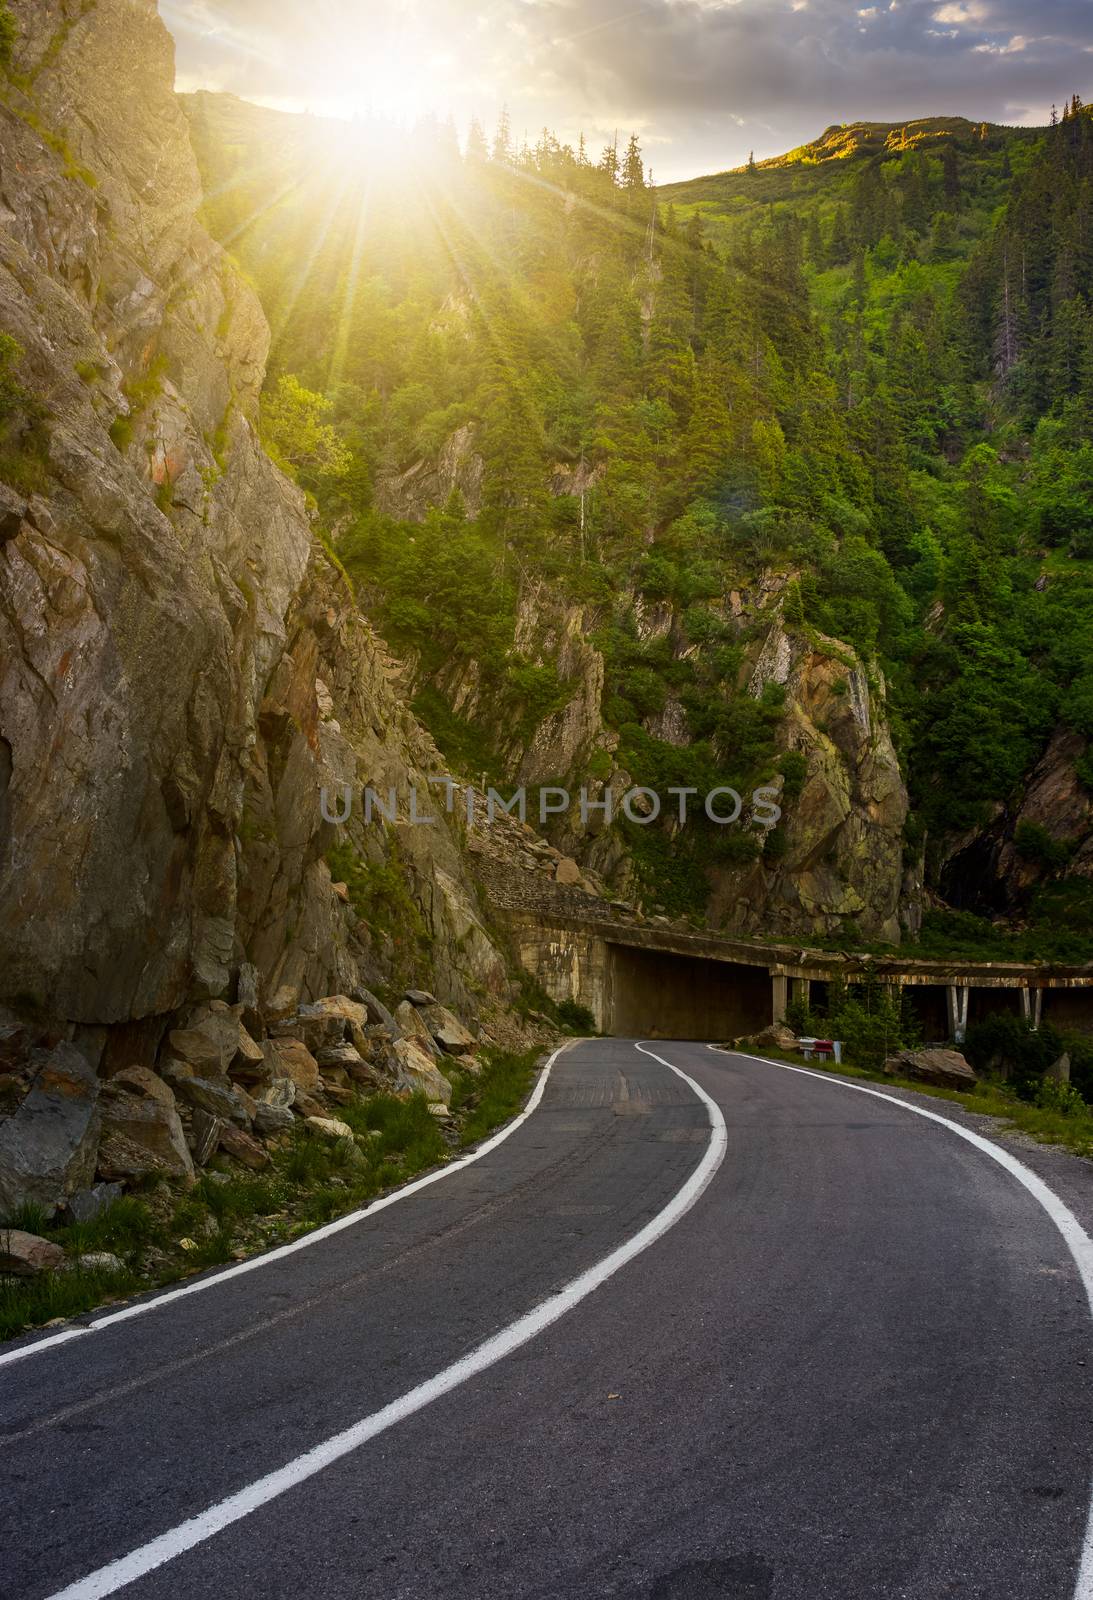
[
  {"x": 121, "y": 433},
  {"x": 1033, "y": 843},
  {"x": 1006, "y": 1044},
  {"x": 576, "y": 1018},
  {"x": 1062, "y": 1097},
  {"x": 794, "y": 769}
]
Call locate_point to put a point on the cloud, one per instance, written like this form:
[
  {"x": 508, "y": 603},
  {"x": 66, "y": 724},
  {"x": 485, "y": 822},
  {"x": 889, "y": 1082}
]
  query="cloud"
[{"x": 710, "y": 79}]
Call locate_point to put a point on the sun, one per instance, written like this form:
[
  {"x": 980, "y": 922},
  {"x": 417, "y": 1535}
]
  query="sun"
[{"x": 398, "y": 81}]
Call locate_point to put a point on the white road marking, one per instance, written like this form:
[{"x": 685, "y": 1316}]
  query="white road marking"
[
  {"x": 1077, "y": 1240},
  {"x": 350, "y": 1219},
  {"x": 127, "y": 1569}
]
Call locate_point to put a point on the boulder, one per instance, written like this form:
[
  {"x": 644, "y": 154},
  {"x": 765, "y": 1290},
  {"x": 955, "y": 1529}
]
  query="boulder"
[
  {"x": 215, "y": 1042},
  {"x": 282, "y": 1003},
  {"x": 243, "y": 1147},
  {"x": 325, "y": 1022},
  {"x": 420, "y": 997},
  {"x": 776, "y": 1036},
  {"x": 96, "y": 1261},
  {"x": 567, "y": 871},
  {"x": 270, "y": 1120},
  {"x": 24, "y": 1255},
  {"x": 449, "y": 1033},
  {"x": 47, "y": 1147},
  {"x": 291, "y": 1058},
  {"x": 224, "y": 1099},
  {"x": 339, "y": 1005},
  {"x": 246, "y": 996},
  {"x": 330, "y": 1127},
  {"x": 209, "y": 1043},
  {"x": 142, "y": 1082},
  {"x": 338, "y": 1059},
  {"x": 205, "y": 1131},
  {"x": 377, "y": 1011},
  {"x": 416, "y": 1072},
  {"x": 278, "y": 1092},
  {"x": 412, "y": 1022},
  {"x": 1059, "y": 1071},
  {"x": 142, "y": 1131},
  {"x": 947, "y": 1068},
  {"x": 87, "y": 1204}
]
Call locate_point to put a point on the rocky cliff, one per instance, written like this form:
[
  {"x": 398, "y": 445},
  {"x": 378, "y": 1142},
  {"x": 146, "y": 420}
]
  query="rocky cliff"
[
  {"x": 839, "y": 864},
  {"x": 181, "y": 666}
]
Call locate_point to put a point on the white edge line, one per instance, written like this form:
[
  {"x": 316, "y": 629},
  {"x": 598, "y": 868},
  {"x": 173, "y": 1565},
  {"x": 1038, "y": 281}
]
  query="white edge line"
[
  {"x": 1077, "y": 1240},
  {"x": 127, "y": 1569},
  {"x": 280, "y": 1251}
]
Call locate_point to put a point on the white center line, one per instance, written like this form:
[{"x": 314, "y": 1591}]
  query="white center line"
[{"x": 127, "y": 1569}]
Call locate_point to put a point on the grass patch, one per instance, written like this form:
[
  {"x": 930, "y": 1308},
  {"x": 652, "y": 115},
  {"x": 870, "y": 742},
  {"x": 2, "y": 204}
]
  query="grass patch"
[
  {"x": 28, "y": 1302},
  {"x": 496, "y": 1094}
]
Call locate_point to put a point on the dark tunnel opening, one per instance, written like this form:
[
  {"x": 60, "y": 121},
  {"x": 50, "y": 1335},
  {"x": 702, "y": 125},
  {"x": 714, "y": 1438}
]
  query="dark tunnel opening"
[{"x": 658, "y": 995}]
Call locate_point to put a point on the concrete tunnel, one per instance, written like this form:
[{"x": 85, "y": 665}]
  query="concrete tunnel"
[{"x": 654, "y": 994}]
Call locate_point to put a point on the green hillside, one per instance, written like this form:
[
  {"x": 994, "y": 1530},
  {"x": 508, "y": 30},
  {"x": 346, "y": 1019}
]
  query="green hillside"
[{"x": 862, "y": 372}]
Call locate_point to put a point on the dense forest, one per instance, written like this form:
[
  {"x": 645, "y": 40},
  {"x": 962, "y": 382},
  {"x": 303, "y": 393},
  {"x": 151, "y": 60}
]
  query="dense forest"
[{"x": 859, "y": 378}]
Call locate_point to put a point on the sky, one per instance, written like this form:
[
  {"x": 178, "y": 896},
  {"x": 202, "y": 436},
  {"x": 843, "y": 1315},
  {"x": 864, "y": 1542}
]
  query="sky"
[{"x": 702, "y": 82}]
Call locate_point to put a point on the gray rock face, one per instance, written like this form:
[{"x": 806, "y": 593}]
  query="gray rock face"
[
  {"x": 165, "y": 612},
  {"x": 47, "y": 1149}
]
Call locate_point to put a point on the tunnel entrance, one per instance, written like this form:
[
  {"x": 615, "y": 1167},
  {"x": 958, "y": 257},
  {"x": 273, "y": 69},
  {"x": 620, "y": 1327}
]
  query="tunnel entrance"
[{"x": 653, "y": 994}]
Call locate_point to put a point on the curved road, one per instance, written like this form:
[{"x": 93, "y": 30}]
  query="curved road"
[{"x": 854, "y": 1367}]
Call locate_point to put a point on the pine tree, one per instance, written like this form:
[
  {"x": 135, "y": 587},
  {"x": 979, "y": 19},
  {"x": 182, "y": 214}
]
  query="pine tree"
[
  {"x": 609, "y": 161},
  {"x": 950, "y": 172},
  {"x": 502, "y": 139},
  {"x": 633, "y": 171}
]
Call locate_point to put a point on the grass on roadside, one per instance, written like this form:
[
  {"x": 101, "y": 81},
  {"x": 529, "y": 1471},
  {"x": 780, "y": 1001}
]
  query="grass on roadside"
[
  {"x": 1058, "y": 1116},
  {"x": 160, "y": 1235}
]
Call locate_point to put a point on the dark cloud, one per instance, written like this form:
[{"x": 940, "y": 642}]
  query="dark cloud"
[{"x": 703, "y": 81}]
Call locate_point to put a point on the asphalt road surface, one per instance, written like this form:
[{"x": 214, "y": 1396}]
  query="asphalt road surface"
[{"x": 852, "y": 1365}]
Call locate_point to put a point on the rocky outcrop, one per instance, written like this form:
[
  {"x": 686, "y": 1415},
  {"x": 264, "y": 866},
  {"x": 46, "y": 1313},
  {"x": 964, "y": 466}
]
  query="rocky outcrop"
[
  {"x": 458, "y": 467},
  {"x": 993, "y": 870},
  {"x": 841, "y": 828},
  {"x": 182, "y": 670}
]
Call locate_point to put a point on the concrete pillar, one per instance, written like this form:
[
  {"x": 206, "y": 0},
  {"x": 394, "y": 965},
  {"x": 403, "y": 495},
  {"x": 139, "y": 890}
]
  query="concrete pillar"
[
  {"x": 779, "y": 996},
  {"x": 801, "y": 989},
  {"x": 1032, "y": 1002},
  {"x": 957, "y": 995}
]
